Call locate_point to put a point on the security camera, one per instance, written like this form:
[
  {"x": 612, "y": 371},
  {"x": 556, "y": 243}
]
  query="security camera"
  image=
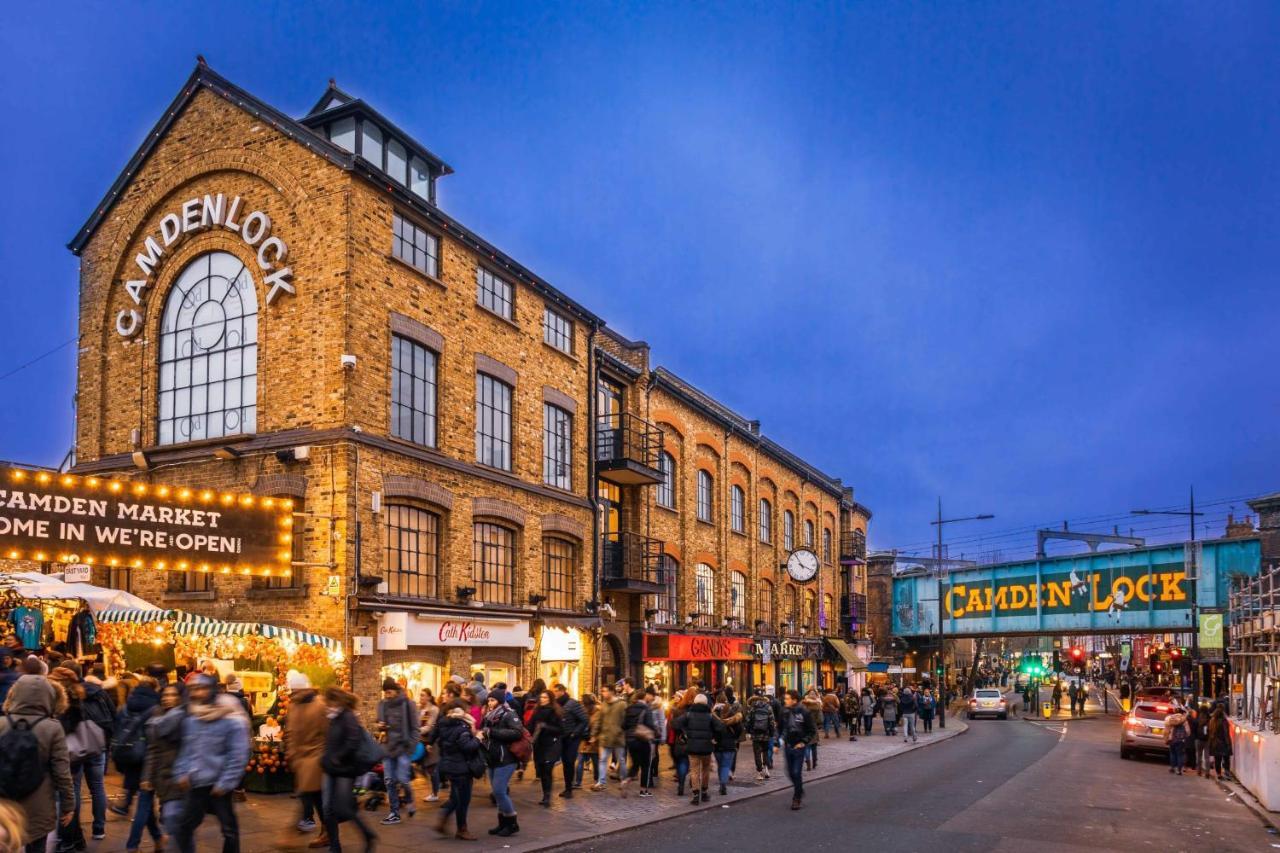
[
  {"x": 348, "y": 361},
  {"x": 607, "y": 610}
]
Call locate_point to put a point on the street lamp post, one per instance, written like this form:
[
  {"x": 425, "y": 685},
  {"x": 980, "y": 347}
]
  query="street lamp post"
[
  {"x": 1190, "y": 513},
  {"x": 942, "y": 660}
]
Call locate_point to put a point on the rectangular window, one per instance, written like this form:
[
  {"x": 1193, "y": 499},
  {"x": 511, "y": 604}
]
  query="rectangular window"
[
  {"x": 413, "y": 552},
  {"x": 557, "y": 447},
  {"x": 419, "y": 178},
  {"x": 189, "y": 582},
  {"x": 559, "y": 558},
  {"x": 413, "y": 392},
  {"x": 557, "y": 330},
  {"x": 493, "y": 563},
  {"x": 705, "y": 502},
  {"x": 738, "y": 597},
  {"x": 342, "y": 133},
  {"x": 788, "y": 531},
  {"x": 766, "y": 521},
  {"x": 493, "y": 422},
  {"x": 298, "y": 549},
  {"x": 416, "y": 246},
  {"x": 667, "y": 488},
  {"x": 666, "y": 604},
  {"x": 737, "y": 510},
  {"x": 371, "y": 143},
  {"x": 397, "y": 162},
  {"x": 494, "y": 293}
]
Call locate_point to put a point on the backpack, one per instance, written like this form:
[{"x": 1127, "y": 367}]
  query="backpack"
[
  {"x": 130, "y": 749},
  {"x": 368, "y": 752},
  {"x": 1178, "y": 734},
  {"x": 761, "y": 717},
  {"x": 98, "y": 708},
  {"x": 20, "y": 769}
]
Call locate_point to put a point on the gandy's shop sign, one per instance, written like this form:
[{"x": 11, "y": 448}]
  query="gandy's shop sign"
[
  {"x": 1161, "y": 587},
  {"x": 49, "y": 517},
  {"x": 201, "y": 214}
]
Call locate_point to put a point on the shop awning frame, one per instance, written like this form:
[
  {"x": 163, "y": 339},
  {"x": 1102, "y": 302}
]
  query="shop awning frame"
[
  {"x": 845, "y": 651},
  {"x": 581, "y": 623}
]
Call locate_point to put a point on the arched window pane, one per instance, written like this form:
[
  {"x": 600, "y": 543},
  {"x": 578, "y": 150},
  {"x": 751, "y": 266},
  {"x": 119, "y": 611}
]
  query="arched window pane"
[
  {"x": 766, "y": 520},
  {"x": 208, "y": 384},
  {"x": 788, "y": 530},
  {"x": 667, "y": 488},
  {"x": 808, "y": 534},
  {"x": 737, "y": 510},
  {"x": 705, "y": 501},
  {"x": 705, "y": 593},
  {"x": 764, "y": 607},
  {"x": 738, "y": 597},
  {"x": 666, "y": 603}
]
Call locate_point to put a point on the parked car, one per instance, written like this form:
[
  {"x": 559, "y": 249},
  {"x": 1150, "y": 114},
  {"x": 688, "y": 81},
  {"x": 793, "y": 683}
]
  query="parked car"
[{"x": 1143, "y": 729}]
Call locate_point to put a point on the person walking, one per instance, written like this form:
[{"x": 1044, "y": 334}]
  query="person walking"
[
  {"x": 907, "y": 709},
  {"x": 762, "y": 726},
  {"x": 85, "y": 742},
  {"x": 889, "y": 712},
  {"x": 1057, "y": 696},
  {"x": 638, "y": 734},
  {"x": 159, "y": 797},
  {"x": 676, "y": 741},
  {"x": 340, "y": 763},
  {"x": 210, "y": 762},
  {"x": 587, "y": 751},
  {"x": 926, "y": 707},
  {"x": 546, "y": 728},
  {"x": 502, "y": 728},
  {"x": 607, "y": 732},
  {"x": 868, "y": 707},
  {"x": 34, "y": 748},
  {"x": 659, "y": 715},
  {"x": 830, "y": 714},
  {"x": 813, "y": 705},
  {"x": 851, "y": 713},
  {"x": 1198, "y": 719},
  {"x": 797, "y": 729},
  {"x": 306, "y": 727},
  {"x": 398, "y": 720},
  {"x": 1219, "y": 742},
  {"x": 725, "y": 743},
  {"x": 1176, "y": 734},
  {"x": 458, "y": 745},
  {"x": 428, "y": 713},
  {"x": 129, "y": 750},
  {"x": 576, "y": 729},
  {"x": 698, "y": 727}
]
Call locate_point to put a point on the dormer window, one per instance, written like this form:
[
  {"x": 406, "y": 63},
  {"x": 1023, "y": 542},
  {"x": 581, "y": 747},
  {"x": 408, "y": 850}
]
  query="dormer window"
[
  {"x": 342, "y": 133},
  {"x": 371, "y": 143},
  {"x": 397, "y": 162}
]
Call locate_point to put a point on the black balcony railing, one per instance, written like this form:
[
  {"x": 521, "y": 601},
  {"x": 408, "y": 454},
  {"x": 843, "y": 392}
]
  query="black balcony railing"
[
  {"x": 853, "y": 547},
  {"x": 853, "y": 608},
  {"x": 632, "y": 563},
  {"x": 627, "y": 449}
]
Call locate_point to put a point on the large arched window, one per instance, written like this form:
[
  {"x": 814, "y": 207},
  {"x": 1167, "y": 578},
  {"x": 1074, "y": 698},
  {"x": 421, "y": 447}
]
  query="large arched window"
[
  {"x": 666, "y": 604},
  {"x": 705, "y": 592},
  {"x": 827, "y": 616},
  {"x": 705, "y": 500},
  {"x": 667, "y": 487},
  {"x": 738, "y": 509},
  {"x": 766, "y": 520},
  {"x": 764, "y": 606},
  {"x": 790, "y": 605},
  {"x": 808, "y": 534},
  {"x": 738, "y": 597},
  {"x": 208, "y": 384},
  {"x": 810, "y": 610},
  {"x": 788, "y": 530},
  {"x": 413, "y": 552},
  {"x": 493, "y": 562}
]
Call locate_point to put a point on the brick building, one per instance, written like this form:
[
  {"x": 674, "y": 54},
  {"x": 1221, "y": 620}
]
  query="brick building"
[{"x": 277, "y": 305}]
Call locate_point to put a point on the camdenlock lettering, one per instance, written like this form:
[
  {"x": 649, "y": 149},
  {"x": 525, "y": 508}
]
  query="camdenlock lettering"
[
  {"x": 201, "y": 214},
  {"x": 1161, "y": 587},
  {"x": 66, "y": 520}
]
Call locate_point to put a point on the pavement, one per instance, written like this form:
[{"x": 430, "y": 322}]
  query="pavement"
[
  {"x": 1048, "y": 786},
  {"x": 266, "y": 821}
]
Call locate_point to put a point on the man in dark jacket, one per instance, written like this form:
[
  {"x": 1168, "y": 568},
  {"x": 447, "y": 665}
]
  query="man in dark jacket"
[
  {"x": 762, "y": 725},
  {"x": 341, "y": 744},
  {"x": 8, "y": 672},
  {"x": 576, "y": 727},
  {"x": 130, "y": 748},
  {"x": 398, "y": 719},
  {"x": 797, "y": 730},
  {"x": 699, "y": 726}
]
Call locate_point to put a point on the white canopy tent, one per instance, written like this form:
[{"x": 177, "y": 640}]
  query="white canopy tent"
[{"x": 51, "y": 587}]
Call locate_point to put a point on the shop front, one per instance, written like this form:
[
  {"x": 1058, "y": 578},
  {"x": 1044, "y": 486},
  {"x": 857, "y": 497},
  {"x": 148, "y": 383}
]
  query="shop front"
[
  {"x": 424, "y": 650},
  {"x": 674, "y": 661},
  {"x": 788, "y": 663},
  {"x": 560, "y": 654}
]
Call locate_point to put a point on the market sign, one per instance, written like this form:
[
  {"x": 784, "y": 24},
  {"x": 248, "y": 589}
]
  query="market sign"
[
  {"x": 767, "y": 649},
  {"x": 61, "y": 518},
  {"x": 1162, "y": 587},
  {"x": 694, "y": 647}
]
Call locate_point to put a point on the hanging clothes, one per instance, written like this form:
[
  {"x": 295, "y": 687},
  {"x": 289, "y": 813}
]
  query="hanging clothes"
[
  {"x": 28, "y": 624},
  {"x": 82, "y": 634}
]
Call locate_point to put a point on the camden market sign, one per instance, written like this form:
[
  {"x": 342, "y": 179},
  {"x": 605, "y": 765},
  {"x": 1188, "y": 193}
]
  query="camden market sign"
[
  {"x": 1158, "y": 587},
  {"x": 769, "y": 649}
]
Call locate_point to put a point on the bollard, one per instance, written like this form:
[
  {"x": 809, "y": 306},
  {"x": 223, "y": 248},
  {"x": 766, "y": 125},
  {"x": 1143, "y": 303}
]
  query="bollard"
[{"x": 1046, "y": 708}]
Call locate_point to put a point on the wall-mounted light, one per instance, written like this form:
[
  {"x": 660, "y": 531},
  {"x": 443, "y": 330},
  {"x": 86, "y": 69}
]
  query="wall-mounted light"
[
  {"x": 227, "y": 452},
  {"x": 141, "y": 461},
  {"x": 536, "y": 599},
  {"x": 465, "y": 592}
]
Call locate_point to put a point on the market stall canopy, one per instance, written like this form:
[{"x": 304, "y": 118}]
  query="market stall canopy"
[
  {"x": 846, "y": 651},
  {"x": 34, "y": 585},
  {"x": 190, "y": 623}
]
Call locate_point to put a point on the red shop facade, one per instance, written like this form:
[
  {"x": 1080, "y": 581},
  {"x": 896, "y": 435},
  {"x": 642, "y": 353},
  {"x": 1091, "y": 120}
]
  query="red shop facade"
[{"x": 674, "y": 661}]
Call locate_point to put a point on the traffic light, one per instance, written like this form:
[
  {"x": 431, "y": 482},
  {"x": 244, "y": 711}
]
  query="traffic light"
[
  {"x": 1077, "y": 655},
  {"x": 1057, "y": 661}
]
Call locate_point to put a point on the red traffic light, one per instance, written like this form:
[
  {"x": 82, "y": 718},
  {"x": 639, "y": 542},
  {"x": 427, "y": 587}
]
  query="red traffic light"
[
  {"x": 1077, "y": 653},
  {"x": 1175, "y": 653}
]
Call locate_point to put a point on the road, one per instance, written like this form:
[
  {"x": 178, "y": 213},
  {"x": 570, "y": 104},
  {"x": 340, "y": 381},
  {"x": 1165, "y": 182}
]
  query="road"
[{"x": 1030, "y": 787}]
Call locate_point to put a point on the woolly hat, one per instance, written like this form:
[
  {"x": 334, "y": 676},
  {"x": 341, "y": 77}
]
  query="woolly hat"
[
  {"x": 389, "y": 683},
  {"x": 295, "y": 680},
  {"x": 73, "y": 665},
  {"x": 700, "y": 699}
]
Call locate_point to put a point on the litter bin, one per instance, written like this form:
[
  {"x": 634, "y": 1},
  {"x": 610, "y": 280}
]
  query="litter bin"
[{"x": 1046, "y": 708}]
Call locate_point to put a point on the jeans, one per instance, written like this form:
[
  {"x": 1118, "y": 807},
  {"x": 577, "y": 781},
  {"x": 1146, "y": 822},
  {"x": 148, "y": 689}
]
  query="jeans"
[
  {"x": 199, "y": 802},
  {"x": 500, "y": 781},
  {"x": 459, "y": 798},
  {"x": 762, "y": 751},
  {"x": 889, "y": 726},
  {"x": 724, "y": 764},
  {"x": 811, "y": 754},
  {"x": 654, "y": 754},
  {"x": 606, "y": 752},
  {"x": 1202, "y": 756},
  {"x": 1177, "y": 754},
  {"x": 908, "y": 726},
  {"x": 583, "y": 758},
  {"x": 795, "y": 768},
  {"x": 435, "y": 778},
  {"x": 927, "y": 722},
  {"x": 568, "y": 756},
  {"x": 866, "y": 722},
  {"x": 701, "y": 767},
  {"x": 171, "y": 817},
  {"x": 144, "y": 817},
  {"x": 682, "y": 769},
  {"x": 640, "y": 764},
  {"x": 397, "y": 771},
  {"x": 830, "y": 720},
  {"x": 92, "y": 769},
  {"x": 338, "y": 797},
  {"x": 131, "y": 781},
  {"x": 546, "y": 772},
  {"x": 311, "y": 805}
]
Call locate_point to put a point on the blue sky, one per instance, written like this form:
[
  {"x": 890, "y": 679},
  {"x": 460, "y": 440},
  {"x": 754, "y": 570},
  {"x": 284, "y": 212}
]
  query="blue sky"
[{"x": 1022, "y": 256}]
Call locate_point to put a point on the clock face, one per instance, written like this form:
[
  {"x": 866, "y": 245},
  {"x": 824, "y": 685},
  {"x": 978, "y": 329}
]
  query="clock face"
[{"x": 802, "y": 565}]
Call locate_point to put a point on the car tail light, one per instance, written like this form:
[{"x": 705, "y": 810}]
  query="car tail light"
[
  {"x": 1003, "y": 702},
  {"x": 1133, "y": 723}
]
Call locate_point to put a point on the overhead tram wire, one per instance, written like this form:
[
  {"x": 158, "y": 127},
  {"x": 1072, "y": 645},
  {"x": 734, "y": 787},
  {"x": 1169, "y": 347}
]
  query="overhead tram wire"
[{"x": 41, "y": 357}]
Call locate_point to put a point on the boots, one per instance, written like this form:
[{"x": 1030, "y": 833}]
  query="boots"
[
  {"x": 443, "y": 820},
  {"x": 508, "y": 826},
  {"x": 723, "y": 790},
  {"x": 680, "y": 788},
  {"x": 502, "y": 824},
  {"x": 463, "y": 835},
  {"x": 795, "y": 805},
  {"x": 697, "y": 798}
]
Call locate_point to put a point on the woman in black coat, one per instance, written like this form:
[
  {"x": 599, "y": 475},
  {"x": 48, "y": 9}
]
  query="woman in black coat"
[
  {"x": 638, "y": 727},
  {"x": 337, "y": 791},
  {"x": 545, "y": 724},
  {"x": 457, "y": 741},
  {"x": 502, "y": 728},
  {"x": 699, "y": 727}
]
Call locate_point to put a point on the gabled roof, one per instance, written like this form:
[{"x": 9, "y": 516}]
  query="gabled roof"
[
  {"x": 332, "y": 97},
  {"x": 204, "y": 77},
  {"x": 355, "y": 106}
]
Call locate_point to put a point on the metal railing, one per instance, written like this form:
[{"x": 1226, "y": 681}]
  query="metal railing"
[
  {"x": 631, "y": 557},
  {"x": 853, "y": 547},
  {"x": 623, "y": 437},
  {"x": 1253, "y": 647}
]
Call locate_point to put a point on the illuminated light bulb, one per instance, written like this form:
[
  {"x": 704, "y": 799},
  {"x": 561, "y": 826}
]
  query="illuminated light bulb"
[
  {"x": 40, "y": 555},
  {"x": 266, "y": 573},
  {"x": 286, "y": 537},
  {"x": 286, "y": 521},
  {"x": 88, "y": 561},
  {"x": 137, "y": 564},
  {"x": 287, "y": 503},
  {"x": 284, "y": 555},
  {"x": 163, "y": 491},
  {"x": 268, "y": 502},
  {"x": 139, "y": 489},
  {"x": 43, "y": 477},
  {"x": 182, "y": 564},
  {"x": 204, "y": 567},
  {"x": 247, "y": 500},
  {"x": 226, "y": 570},
  {"x": 246, "y": 570},
  {"x": 18, "y": 475},
  {"x": 160, "y": 564},
  {"x": 67, "y": 480},
  {"x": 286, "y": 573},
  {"x": 184, "y": 494},
  {"x": 115, "y": 486},
  {"x": 13, "y": 555},
  {"x": 93, "y": 482},
  {"x": 206, "y": 495},
  {"x": 226, "y": 499}
]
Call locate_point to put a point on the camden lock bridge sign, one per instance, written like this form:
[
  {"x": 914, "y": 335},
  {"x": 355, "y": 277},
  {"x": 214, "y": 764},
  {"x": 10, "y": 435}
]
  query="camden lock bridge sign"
[{"x": 1147, "y": 589}]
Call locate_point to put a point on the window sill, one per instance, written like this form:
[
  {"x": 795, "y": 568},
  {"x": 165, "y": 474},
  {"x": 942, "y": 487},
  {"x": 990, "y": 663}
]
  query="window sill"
[
  {"x": 405, "y": 265},
  {"x": 567, "y": 355},
  {"x": 741, "y": 533},
  {"x": 560, "y": 489},
  {"x": 495, "y": 315},
  {"x": 278, "y": 592},
  {"x": 669, "y": 509},
  {"x": 707, "y": 523},
  {"x": 486, "y": 466},
  {"x": 205, "y": 595}
]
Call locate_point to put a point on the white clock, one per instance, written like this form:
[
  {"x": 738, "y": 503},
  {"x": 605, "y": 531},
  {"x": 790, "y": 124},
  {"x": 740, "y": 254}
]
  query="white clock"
[{"x": 802, "y": 565}]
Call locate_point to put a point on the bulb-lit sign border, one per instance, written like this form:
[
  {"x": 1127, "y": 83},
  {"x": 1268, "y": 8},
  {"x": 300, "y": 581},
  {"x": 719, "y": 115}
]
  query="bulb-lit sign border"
[{"x": 103, "y": 521}]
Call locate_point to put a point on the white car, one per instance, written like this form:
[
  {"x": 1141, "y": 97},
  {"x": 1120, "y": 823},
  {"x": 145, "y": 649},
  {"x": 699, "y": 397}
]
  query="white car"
[{"x": 989, "y": 703}]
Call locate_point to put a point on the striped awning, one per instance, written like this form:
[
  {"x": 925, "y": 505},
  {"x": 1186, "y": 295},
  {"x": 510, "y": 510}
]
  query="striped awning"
[
  {"x": 132, "y": 615},
  {"x": 190, "y": 623}
]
